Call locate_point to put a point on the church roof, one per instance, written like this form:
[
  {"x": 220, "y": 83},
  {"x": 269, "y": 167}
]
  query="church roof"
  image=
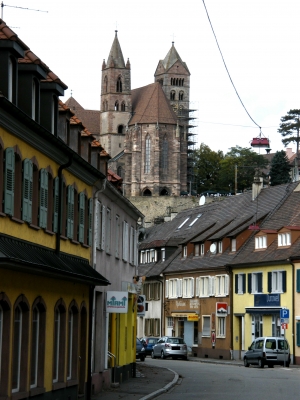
[
  {"x": 150, "y": 105},
  {"x": 171, "y": 58},
  {"x": 116, "y": 55}
]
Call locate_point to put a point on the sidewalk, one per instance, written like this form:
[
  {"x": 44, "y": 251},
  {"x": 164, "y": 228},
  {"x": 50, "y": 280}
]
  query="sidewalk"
[{"x": 152, "y": 381}]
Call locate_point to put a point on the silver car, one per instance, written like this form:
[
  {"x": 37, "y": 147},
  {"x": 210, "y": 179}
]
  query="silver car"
[{"x": 168, "y": 346}]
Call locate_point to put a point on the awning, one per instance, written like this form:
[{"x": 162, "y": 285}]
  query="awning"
[{"x": 263, "y": 310}]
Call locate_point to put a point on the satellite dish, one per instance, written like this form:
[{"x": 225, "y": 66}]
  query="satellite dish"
[
  {"x": 202, "y": 201},
  {"x": 213, "y": 248}
]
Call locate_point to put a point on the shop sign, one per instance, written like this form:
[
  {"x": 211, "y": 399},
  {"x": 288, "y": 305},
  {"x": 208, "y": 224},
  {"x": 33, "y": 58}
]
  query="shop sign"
[
  {"x": 117, "y": 302},
  {"x": 222, "y": 309},
  {"x": 183, "y": 314},
  {"x": 266, "y": 300},
  {"x": 193, "y": 318}
]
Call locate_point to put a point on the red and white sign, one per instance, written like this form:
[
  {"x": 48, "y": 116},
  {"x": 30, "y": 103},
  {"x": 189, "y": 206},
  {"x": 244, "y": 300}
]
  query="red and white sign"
[
  {"x": 284, "y": 326},
  {"x": 222, "y": 309}
]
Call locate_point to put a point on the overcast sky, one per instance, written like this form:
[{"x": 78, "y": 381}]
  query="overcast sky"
[{"x": 259, "y": 40}]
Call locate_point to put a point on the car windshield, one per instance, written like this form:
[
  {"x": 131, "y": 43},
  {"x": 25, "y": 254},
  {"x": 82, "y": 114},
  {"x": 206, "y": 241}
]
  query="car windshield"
[
  {"x": 175, "y": 340},
  {"x": 152, "y": 341}
]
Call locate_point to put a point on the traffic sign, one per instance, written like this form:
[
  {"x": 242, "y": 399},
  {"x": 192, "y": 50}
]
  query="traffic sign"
[
  {"x": 284, "y": 326},
  {"x": 284, "y": 320},
  {"x": 284, "y": 313}
]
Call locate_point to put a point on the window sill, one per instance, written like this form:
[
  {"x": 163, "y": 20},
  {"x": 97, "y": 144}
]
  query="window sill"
[
  {"x": 37, "y": 390},
  {"x": 37, "y": 228},
  {"x": 2, "y": 215},
  {"x": 58, "y": 385},
  {"x": 74, "y": 241},
  {"x": 19, "y": 395},
  {"x": 63, "y": 237},
  {"x": 49, "y": 232},
  {"x": 72, "y": 382},
  {"x": 86, "y": 246},
  {"x": 19, "y": 221}
]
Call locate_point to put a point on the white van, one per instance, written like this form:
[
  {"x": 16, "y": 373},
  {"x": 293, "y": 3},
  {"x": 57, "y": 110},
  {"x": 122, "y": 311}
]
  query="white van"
[{"x": 268, "y": 351}]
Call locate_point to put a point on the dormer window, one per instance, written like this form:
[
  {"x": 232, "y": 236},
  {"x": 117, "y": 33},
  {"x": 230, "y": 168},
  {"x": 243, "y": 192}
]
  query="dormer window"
[
  {"x": 163, "y": 254},
  {"x": 284, "y": 239},
  {"x": 184, "y": 251},
  {"x": 202, "y": 249},
  {"x": 220, "y": 246},
  {"x": 233, "y": 244},
  {"x": 197, "y": 247},
  {"x": 261, "y": 242}
]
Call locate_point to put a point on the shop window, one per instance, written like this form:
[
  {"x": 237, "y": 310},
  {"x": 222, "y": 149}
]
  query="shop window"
[
  {"x": 257, "y": 326},
  {"x": 188, "y": 287},
  {"x": 221, "y": 327},
  {"x": 205, "y": 286},
  {"x": 222, "y": 285},
  {"x": 59, "y": 344},
  {"x": 284, "y": 239},
  {"x": 240, "y": 283},
  {"x": 255, "y": 282},
  {"x": 206, "y": 325},
  {"x": 276, "y": 325},
  {"x": 277, "y": 282}
]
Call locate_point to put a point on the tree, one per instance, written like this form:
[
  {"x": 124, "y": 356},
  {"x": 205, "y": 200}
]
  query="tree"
[
  {"x": 289, "y": 128},
  {"x": 206, "y": 167},
  {"x": 247, "y": 161},
  {"x": 280, "y": 169}
]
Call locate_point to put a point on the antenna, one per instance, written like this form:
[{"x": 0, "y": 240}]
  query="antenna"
[{"x": 22, "y": 8}]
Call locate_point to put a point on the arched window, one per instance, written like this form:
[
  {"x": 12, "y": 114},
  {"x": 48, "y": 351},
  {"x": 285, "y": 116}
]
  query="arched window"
[
  {"x": 5, "y": 337},
  {"x": 119, "y": 85},
  {"x": 172, "y": 95},
  {"x": 82, "y": 348},
  {"x": 165, "y": 153},
  {"x": 171, "y": 81},
  {"x": 123, "y": 106},
  {"x": 121, "y": 129},
  {"x": 72, "y": 360},
  {"x": 147, "y": 192},
  {"x": 164, "y": 192},
  {"x": 59, "y": 342},
  {"x": 116, "y": 106},
  {"x": 181, "y": 95},
  {"x": 120, "y": 171},
  {"x": 176, "y": 81},
  {"x": 147, "y": 154},
  {"x": 105, "y": 86}
]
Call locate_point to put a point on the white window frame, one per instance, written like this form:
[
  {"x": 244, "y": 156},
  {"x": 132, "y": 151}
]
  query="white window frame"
[
  {"x": 184, "y": 253},
  {"x": 220, "y": 247},
  {"x": 202, "y": 249},
  {"x": 197, "y": 248},
  {"x": 221, "y": 285},
  {"x": 233, "y": 245},
  {"x": 206, "y": 325},
  {"x": 187, "y": 288},
  {"x": 16, "y": 389},
  {"x": 173, "y": 288},
  {"x": 284, "y": 239},
  {"x": 142, "y": 257},
  {"x": 108, "y": 231},
  {"x": 261, "y": 242},
  {"x": 37, "y": 332},
  {"x": 163, "y": 254},
  {"x": 117, "y": 236},
  {"x": 205, "y": 286},
  {"x": 221, "y": 327},
  {"x": 153, "y": 255},
  {"x": 277, "y": 282}
]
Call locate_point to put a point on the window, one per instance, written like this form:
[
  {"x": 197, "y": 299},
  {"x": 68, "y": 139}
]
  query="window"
[
  {"x": 206, "y": 326},
  {"x": 108, "y": 231},
  {"x": 27, "y": 188},
  {"x": 100, "y": 226},
  {"x": 119, "y": 85},
  {"x": 123, "y": 106},
  {"x": 298, "y": 333},
  {"x": 255, "y": 282},
  {"x": 116, "y": 106},
  {"x": 284, "y": 239},
  {"x": 261, "y": 242},
  {"x": 220, "y": 247},
  {"x": 125, "y": 241},
  {"x": 70, "y": 212},
  {"x": 105, "y": 84},
  {"x": 35, "y": 100},
  {"x": 233, "y": 244},
  {"x": 257, "y": 326},
  {"x": 81, "y": 216},
  {"x": 195, "y": 220},
  {"x": 43, "y": 198},
  {"x": 181, "y": 225},
  {"x": 59, "y": 343},
  {"x": 121, "y": 129},
  {"x": 55, "y": 204},
  {"x": 54, "y": 115},
  {"x": 184, "y": 252},
  {"x": 181, "y": 95},
  {"x": 174, "y": 288},
  {"x": 277, "y": 282},
  {"x": 147, "y": 154},
  {"x": 188, "y": 287},
  {"x": 205, "y": 286},
  {"x": 240, "y": 283},
  {"x": 165, "y": 153},
  {"x": 72, "y": 342},
  {"x": 152, "y": 327},
  {"x": 152, "y": 290},
  {"x": 172, "y": 95},
  {"x": 142, "y": 257},
  {"x": 221, "y": 332},
  {"x": 170, "y": 322},
  {"x": 132, "y": 245},
  {"x": 163, "y": 254},
  {"x": 197, "y": 246},
  {"x": 221, "y": 285},
  {"x": 202, "y": 249},
  {"x": 117, "y": 236}
]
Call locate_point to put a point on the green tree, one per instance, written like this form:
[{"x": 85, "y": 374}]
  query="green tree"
[
  {"x": 246, "y": 161},
  {"x": 280, "y": 169},
  {"x": 289, "y": 128},
  {"x": 206, "y": 167}
]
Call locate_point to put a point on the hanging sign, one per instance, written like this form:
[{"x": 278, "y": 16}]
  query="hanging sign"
[{"x": 117, "y": 302}]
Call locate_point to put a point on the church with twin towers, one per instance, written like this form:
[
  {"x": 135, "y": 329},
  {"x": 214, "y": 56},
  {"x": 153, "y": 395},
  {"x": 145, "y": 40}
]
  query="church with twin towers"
[{"x": 146, "y": 131}]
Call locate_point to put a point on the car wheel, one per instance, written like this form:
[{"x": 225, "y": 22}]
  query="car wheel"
[
  {"x": 246, "y": 364},
  {"x": 260, "y": 363},
  {"x": 270, "y": 366},
  {"x": 152, "y": 355},
  {"x": 287, "y": 364},
  {"x": 162, "y": 355},
  {"x": 185, "y": 358},
  {"x": 142, "y": 358}
]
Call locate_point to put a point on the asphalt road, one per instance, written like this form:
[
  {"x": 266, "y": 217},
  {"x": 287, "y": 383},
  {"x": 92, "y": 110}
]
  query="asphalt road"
[{"x": 229, "y": 382}]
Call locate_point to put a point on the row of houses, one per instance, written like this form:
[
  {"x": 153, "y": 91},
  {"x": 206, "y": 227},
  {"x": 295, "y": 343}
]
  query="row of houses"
[
  {"x": 220, "y": 274},
  {"x": 68, "y": 239}
]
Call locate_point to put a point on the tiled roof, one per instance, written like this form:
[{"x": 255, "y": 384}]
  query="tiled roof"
[
  {"x": 90, "y": 118},
  {"x": 115, "y": 57},
  {"x": 150, "y": 106},
  {"x": 171, "y": 58}
]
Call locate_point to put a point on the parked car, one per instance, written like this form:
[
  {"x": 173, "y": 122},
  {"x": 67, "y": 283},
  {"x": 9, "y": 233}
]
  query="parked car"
[
  {"x": 168, "y": 346},
  {"x": 268, "y": 351},
  {"x": 140, "y": 350},
  {"x": 149, "y": 342}
]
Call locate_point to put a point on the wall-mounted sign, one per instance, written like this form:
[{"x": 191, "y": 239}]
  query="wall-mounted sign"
[
  {"x": 266, "y": 300},
  {"x": 141, "y": 305},
  {"x": 117, "y": 302},
  {"x": 193, "y": 318},
  {"x": 222, "y": 309}
]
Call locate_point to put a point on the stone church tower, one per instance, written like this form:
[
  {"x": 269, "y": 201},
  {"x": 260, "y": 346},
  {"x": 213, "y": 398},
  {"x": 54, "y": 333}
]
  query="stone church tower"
[{"x": 115, "y": 100}]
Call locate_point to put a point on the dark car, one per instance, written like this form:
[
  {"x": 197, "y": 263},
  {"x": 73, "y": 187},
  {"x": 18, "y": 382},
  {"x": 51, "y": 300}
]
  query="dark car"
[
  {"x": 149, "y": 342},
  {"x": 140, "y": 350}
]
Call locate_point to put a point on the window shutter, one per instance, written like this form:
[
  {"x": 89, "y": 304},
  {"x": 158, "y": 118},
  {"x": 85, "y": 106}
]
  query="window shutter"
[
  {"x": 70, "y": 212},
  {"x": 259, "y": 282},
  {"x": 131, "y": 246},
  {"x": 125, "y": 241},
  {"x": 90, "y": 222},
  {"x": 192, "y": 287},
  {"x": 298, "y": 332},
  {"x": 135, "y": 249},
  {"x": 179, "y": 287},
  {"x": 103, "y": 227},
  {"x": 197, "y": 286},
  {"x": 43, "y": 198},
  {"x": 236, "y": 283},
  {"x": 27, "y": 186},
  {"x": 244, "y": 283},
  {"x": 284, "y": 281},
  {"x": 249, "y": 283},
  {"x": 81, "y": 217},
  {"x": 167, "y": 289},
  {"x": 270, "y": 282},
  {"x": 298, "y": 282},
  {"x": 55, "y": 204},
  {"x": 9, "y": 181},
  {"x": 211, "y": 286},
  {"x": 226, "y": 285}
]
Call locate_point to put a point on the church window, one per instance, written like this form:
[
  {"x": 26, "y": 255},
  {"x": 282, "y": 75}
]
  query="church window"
[
  {"x": 172, "y": 95},
  {"x": 121, "y": 129},
  {"x": 119, "y": 85},
  {"x": 176, "y": 82},
  {"x": 105, "y": 84},
  {"x": 116, "y": 106},
  {"x": 147, "y": 155},
  {"x": 165, "y": 154},
  {"x": 171, "y": 81},
  {"x": 120, "y": 172},
  {"x": 147, "y": 192},
  {"x": 180, "y": 95},
  {"x": 123, "y": 106},
  {"x": 164, "y": 192}
]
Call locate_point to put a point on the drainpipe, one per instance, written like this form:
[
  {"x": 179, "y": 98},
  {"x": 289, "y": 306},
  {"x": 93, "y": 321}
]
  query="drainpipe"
[
  {"x": 229, "y": 271},
  {"x": 60, "y": 169},
  {"x": 293, "y": 310}
]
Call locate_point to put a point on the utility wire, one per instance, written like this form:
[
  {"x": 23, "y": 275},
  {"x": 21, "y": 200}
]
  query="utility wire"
[{"x": 227, "y": 68}]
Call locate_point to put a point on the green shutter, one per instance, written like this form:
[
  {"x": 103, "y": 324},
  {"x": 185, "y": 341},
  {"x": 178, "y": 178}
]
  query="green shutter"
[
  {"x": 70, "y": 212},
  {"x": 81, "y": 217},
  {"x": 9, "y": 181},
  {"x": 43, "y": 198},
  {"x": 55, "y": 204},
  {"x": 298, "y": 281},
  {"x": 90, "y": 221},
  {"x": 27, "y": 186},
  {"x": 298, "y": 333}
]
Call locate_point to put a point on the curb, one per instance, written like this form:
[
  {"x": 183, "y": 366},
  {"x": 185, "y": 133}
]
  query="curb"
[{"x": 164, "y": 389}]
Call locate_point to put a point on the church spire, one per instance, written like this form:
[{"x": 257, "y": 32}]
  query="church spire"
[{"x": 115, "y": 58}]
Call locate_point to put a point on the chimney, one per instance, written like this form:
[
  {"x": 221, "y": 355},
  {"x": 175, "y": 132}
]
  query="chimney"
[{"x": 257, "y": 184}]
